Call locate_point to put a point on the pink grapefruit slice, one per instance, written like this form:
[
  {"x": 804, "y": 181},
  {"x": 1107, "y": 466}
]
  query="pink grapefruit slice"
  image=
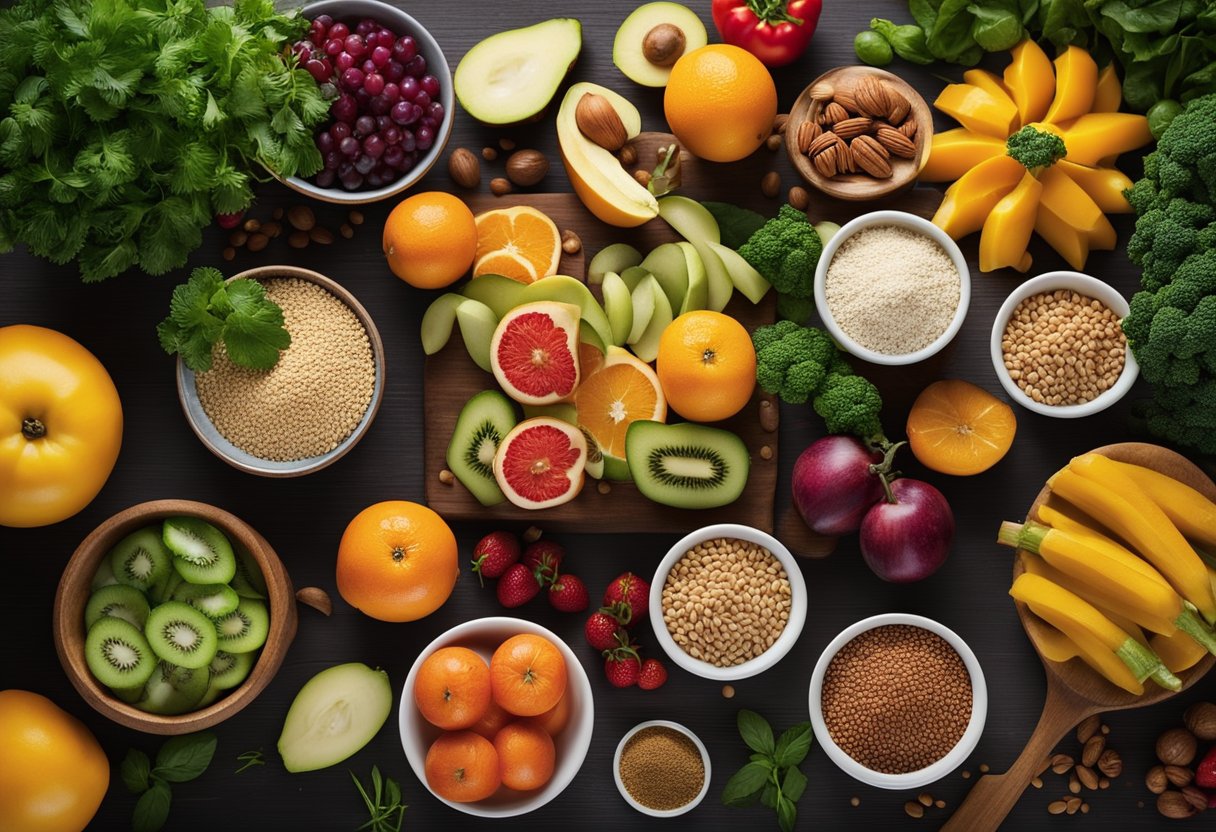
[
  {"x": 534, "y": 352},
  {"x": 541, "y": 463}
]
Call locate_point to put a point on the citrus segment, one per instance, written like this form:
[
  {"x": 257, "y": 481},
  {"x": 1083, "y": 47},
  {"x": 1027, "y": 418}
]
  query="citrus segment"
[
  {"x": 534, "y": 352},
  {"x": 624, "y": 390},
  {"x": 521, "y": 243},
  {"x": 540, "y": 463},
  {"x": 957, "y": 428}
]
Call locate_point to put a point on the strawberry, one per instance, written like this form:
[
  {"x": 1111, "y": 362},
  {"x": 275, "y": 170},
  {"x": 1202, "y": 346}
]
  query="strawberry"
[
  {"x": 544, "y": 558},
  {"x": 627, "y": 597},
  {"x": 652, "y": 675},
  {"x": 569, "y": 594},
  {"x": 1205, "y": 772},
  {"x": 229, "y": 220},
  {"x": 623, "y": 667},
  {"x": 601, "y": 630},
  {"x": 517, "y": 586},
  {"x": 494, "y": 554}
]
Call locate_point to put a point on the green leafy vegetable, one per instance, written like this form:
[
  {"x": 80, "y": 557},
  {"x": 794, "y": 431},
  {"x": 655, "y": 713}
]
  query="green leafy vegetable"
[
  {"x": 180, "y": 759},
  {"x": 152, "y": 808},
  {"x": 734, "y": 223},
  {"x": 206, "y": 310},
  {"x": 772, "y": 776},
  {"x": 249, "y": 759},
  {"x": 384, "y": 803},
  {"x": 907, "y": 41},
  {"x": 126, "y": 125},
  {"x": 134, "y": 770}
]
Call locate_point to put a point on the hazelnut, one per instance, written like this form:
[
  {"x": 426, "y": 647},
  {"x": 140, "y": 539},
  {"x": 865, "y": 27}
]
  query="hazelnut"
[
  {"x": 489, "y": 153},
  {"x": 643, "y": 176},
  {"x": 1174, "y": 805},
  {"x": 770, "y": 185},
  {"x": 464, "y": 168},
  {"x": 447, "y": 477},
  {"x": 1110, "y": 763},
  {"x": 316, "y": 598},
  {"x": 799, "y": 197},
  {"x": 599, "y": 122},
  {"x": 1156, "y": 781},
  {"x": 1200, "y": 720},
  {"x": 571, "y": 244},
  {"x": 1177, "y": 747},
  {"x": 527, "y": 167},
  {"x": 1179, "y": 775},
  {"x": 628, "y": 156},
  {"x": 664, "y": 44},
  {"x": 499, "y": 186},
  {"x": 257, "y": 241}
]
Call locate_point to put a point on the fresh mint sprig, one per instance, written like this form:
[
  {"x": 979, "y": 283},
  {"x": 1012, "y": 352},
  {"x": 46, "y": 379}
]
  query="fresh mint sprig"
[
  {"x": 179, "y": 760},
  {"x": 384, "y": 803},
  {"x": 772, "y": 776}
]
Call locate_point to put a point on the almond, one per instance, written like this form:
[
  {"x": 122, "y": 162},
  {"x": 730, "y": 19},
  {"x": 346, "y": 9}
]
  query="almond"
[
  {"x": 599, "y": 122},
  {"x": 845, "y": 160},
  {"x": 897, "y": 106},
  {"x": 833, "y": 113},
  {"x": 808, "y": 131},
  {"x": 825, "y": 161},
  {"x": 908, "y": 128},
  {"x": 316, "y": 598},
  {"x": 845, "y": 99},
  {"x": 526, "y": 167},
  {"x": 896, "y": 142},
  {"x": 823, "y": 92},
  {"x": 464, "y": 168},
  {"x": 871, "y": 96},
  {"x": 770, "y": 184},
  {"x": 871, "y": 157},
  {"x": 852, "y": 127},
  {"x": 822, "y": 142}
]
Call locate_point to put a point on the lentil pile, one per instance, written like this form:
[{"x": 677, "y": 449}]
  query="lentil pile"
[
  {"x": 896, "y": 698},
  {"x": 662, "y": 768},
  {"x": 726, "y": 601},
  {"x": 309, "y": 402},
  {"x": 892, "y": 290},
  {"x": 1063, "y": 348}
]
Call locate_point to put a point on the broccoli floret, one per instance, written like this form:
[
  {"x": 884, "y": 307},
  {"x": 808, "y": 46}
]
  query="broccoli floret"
[
  {"x": 851, "y": 404},
  {"x": 785, "y": 251},
  {"x": 1143, "y": 194},
  {"x": 1035, "y": 149},
  {"x": 1172, "y": 331},
  {"x": 1165, "y": 236},
  {"x": 1186, "y": 163},
  {"x": 1183, "y": 415},
  {"x": 797, "y": 310},
  {"x": 792, "y": 361}
]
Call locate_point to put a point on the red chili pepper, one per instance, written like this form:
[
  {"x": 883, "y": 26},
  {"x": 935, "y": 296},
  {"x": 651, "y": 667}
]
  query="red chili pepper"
[{"x": 775, "y": 31}]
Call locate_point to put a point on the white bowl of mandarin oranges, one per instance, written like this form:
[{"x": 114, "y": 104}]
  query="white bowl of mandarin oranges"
[{"x": 496, "y": 717}]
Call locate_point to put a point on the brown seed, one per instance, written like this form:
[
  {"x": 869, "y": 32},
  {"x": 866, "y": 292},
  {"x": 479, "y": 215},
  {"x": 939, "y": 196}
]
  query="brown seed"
[
  {"x": 850, "y": 127},
  {"x": 599, "y": 122},
  {"x": 729, "y": 692},
  {"x": 346, "y": 230},
  {"x": 1200, "y": 720},
  {"x": 499, "y": 186},
  {"x": 642, "y": 176},
  {"x": 251, "y": 225},
  {"x": 941, "y": 804},
  {"x": 1085, "y": 808},
  {"x": 298, "y": 239},
  {"x": 238, "y": 238},
  {"x": 1057, "y": 807},
  {"x": 766, "y": 452},
  {"x": 1093, "y": 750},
  {"x": 966, "y": 775},
  {"x": 871, "y": 157},
  {"x": 1061, "y": 763},
  {"x": 1088, "y": 777},
  {"x": 1103, "y": 783},
  {"x": 799, "y": 198},
  {"x": 447, "y": 477},
  {"x": 896, "y": 142},
  {"x": 1105, "y": 729},
  {"x": 272, "y": 229},
  {"x": 321, "y": 235},
  {"x": 506, "y": 144},
  {"x": 914, "y": 809},
  {"x": 1155, "y": 780},
  {"x": 854, "y": 801},
  {"x": 1073, "y": 804},
  {"x": 301, "y": 217},
  {"x": 808, "y": 131},
  {"x": 1174, "y": 805},
  {"x": 1177, "y": 747},
  {"x": 1037, "y": 782},
  {"x": 1110, "y": 763},
  {"x": 773, "y": 142},
  {"x": 1074, "y": 784},
  {"x": 489, "y": 153},
  {"x": 257, "y": 242},
  {"x": 984, "y": 769},
  {"x": 664, "y": 44},
  {"x": 925, "y": 799},
  {"x": 527, "y": 167},
  {"x": 770, "y": 185},
  {"x": 355, "y": 217},
  {"x": 1179, "y": 775},
  {"x": 464, "y": 168},
  {"x": 628, "y": 156},
  {"x": 769, "y": 417},
  {"x": 228, "y": 253},
  {"x": 603, "y": 487},
  {"x": 571, "y": 244},
  {"x": 1088, "y": 727},
  {"x": 316, "y": 598},
  {"x": 531, "y": 534},
  {"x": 1196, "y": 797}
]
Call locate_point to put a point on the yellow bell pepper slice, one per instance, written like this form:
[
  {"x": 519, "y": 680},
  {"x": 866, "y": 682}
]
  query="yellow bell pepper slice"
[
  {"x": 1109, "y": 93},
  {"x": 1095, "y": 136},
  {"x": 1030, "y": 81},
  {"x": 1008, "y": 227},
  {"x": 954, "y": 152},
  {"x": 1104, "y": 186},
  {"x": 995, "y": 87},
  {"x": 1064, "y": 200},
  {"x": 979, "y": 110},
  {"x": 1068, "y": 242},
  {"x": 973, "y": 196},
  {"x": 1076, "y": 83}
]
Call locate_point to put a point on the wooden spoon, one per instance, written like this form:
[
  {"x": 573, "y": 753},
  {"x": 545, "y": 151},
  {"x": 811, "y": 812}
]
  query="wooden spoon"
[{"x": 1074, "y": 691}]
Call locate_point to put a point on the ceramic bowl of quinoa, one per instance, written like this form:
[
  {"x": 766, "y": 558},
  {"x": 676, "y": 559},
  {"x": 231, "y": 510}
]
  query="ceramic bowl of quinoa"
[
  {"x": 314, "y": 405},
  {"x": 898, "y": 701},
  {"x": 892, "y": 288},
  {"x": 1058, "y": 346}
]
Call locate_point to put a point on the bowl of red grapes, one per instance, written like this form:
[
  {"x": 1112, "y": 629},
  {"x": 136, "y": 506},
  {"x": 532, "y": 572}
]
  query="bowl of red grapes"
[{"x": 390, "y": 94}]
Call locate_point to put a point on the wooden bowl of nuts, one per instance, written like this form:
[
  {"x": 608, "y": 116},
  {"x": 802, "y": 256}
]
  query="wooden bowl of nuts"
[{"x": 859, "y": 133}]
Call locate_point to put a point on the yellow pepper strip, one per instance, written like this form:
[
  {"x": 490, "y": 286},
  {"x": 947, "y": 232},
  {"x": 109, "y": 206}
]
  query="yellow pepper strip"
[
  {"x": 1105, "y": 186},
  {"x": 995, "y": 87},
  {"x": 1030, "y": 81},
  {"x": 1007, "y": 229},
  {"x": 954, "y": 152},
  {"x": 1068, "y": 242},
  {"x": 973, "y": 196},
  {"x": 1121, "y": 615},
  {"x": 1076, "y": 84},
  {"x": 1193, "y": 513},
  {"x": 1095, "y": 136},
  {"x": 978, "y": 110},
  {"x": 1094, "y": 539},
  {"x": 1177, "y": 652},
  {"x": 1067, "y": 201},
  {"x": 1109, "y": 93}
]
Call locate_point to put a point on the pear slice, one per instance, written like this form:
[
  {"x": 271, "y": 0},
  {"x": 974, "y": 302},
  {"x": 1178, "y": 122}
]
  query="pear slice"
[
  {"x": 643, "y": 306},
  {"x": 669, "y": 267},
  {"x": 697, "y": 296},
  {"x": 512, "y": 76},
  {"x": 647, "y": 347},
  {"x": 694, "y": 223},
  {"x": 565, "y": 289},
  {"x": 476, "y": 320},
  {"x": 335, "y": 714},
  {"x": 501, "y": 294},
  {"x": 618, "y": 306},
  {"x": 614, "y": 258},
  {"x": 746, "y": 279}
]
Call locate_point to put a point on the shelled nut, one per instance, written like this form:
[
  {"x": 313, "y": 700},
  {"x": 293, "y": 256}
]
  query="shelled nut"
[
  {"x": 464, "y": 168},
  {"x": 1177, "y": 747},
  {"x": 527, "y": 167}
]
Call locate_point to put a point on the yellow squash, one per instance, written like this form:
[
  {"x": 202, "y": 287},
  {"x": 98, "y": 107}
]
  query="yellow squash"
[
  {"x": 1193, "y": 513},
  {"x": 1109, "y": 93},
  {"x": 1007, "y": 229},
  {"x": 1030, "y": 81},
  {"x": 1105, "y": 186},
  {"x": 1076, "y": 83},
  {"x": 978, "y": 110},
  {"x": 1094, "y": 136},
  {"x": 1097, "y": 541},
  {"x": 1057, "y": 647},
  {"x": 1178, "y": 652},
  {"x": 1064, "y": 201},
  {"x": 954, "y": 152},
  {"x": 970, "y": 200}
]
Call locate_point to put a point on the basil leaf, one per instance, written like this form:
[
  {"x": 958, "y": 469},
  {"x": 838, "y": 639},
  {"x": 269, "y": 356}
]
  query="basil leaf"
[
  {"x": 793, "y": 746},
  {"x": 134, "y": 771},
  {"x": 769, "y": 796},
  {"x": 756, "y": 731},
  {"x": 183, "y": 758},
  {"x": 152, "y": 810},
  {"x": 787, "y": 813},
  {"x": 794, "y": 783},
  {"x": 735, "y": 224},
  {"x": 745, "y": 782},
  {"x": 1159, "y": 17}
]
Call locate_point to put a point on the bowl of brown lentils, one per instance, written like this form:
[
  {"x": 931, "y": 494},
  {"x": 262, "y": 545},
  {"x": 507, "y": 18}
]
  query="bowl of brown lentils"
[
  {"x": 727, "y": 602},
  {"x": 1058, "y": 345},
  {"x": 314, "y": 405}
]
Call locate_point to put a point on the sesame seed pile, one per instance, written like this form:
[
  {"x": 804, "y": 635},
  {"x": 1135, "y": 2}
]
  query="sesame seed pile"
[
  {"x": 892, "y": 290},
  {"x": 896, "y": 698},
  {"x": 313, "y": 398},
  {"x": 661, "y": 768}
]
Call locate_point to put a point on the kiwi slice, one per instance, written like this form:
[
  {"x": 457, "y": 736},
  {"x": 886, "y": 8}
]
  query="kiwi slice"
[
  {"x": 483, "y": 422},
  {"x": 117, "y": 601},
  {"x": 248, "y": 580},
  {"x": 212, "y": 600},
  {"x": 163, "y": 591},
  {"x": 209, "y": 696},
  {"x": 245, "y": 628},
  {"x": 104, "y": 576},
  {"x": 180, "y": 634},
  {"x": 230, "y": 669},
  {"x": 141, "y": 560},
  {"x": 129, "y": 695},
  {"x": 173, "y": 689},
  {"x": 204, "y": 555},
  {"x": 686, "y": 465},
  {"x": 117, "y": 653}
]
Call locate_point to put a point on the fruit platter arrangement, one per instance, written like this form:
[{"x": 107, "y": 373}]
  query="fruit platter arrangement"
[{"x": 842, "y": 375}]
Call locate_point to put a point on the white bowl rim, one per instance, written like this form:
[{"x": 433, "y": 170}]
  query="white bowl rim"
[
  {"x": 576, "y": 674},
  {"x": 778, "y": 649},
  {"x": 620, "y": 784},
  {"x": 912, "y": 779},
  {"x": 906, "y": 220},
  {"x": 1084, "y": 284}
]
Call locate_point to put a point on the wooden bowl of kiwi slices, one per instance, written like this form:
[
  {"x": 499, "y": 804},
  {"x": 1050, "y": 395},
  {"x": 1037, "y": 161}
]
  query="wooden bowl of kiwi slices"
[{"x": 173, "y": 615}]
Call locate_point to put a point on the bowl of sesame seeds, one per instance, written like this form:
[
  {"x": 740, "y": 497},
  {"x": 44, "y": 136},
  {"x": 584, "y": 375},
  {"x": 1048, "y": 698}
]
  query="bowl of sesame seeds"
[{"x": 314, "y": 405}]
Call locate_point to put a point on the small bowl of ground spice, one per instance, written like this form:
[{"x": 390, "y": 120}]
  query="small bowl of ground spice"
[
  {"x": 1058, "y": 345},
  {"x": 661, "y": 768},
  {"x": 314, "y": 405},
  {"x": 892, "y": 288},
  {"x": 898, "y": 701},
  {"x": 727, "y": 602}
]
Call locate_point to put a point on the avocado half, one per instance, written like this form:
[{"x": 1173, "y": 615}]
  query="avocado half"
[{"x": 653, "y": 38}]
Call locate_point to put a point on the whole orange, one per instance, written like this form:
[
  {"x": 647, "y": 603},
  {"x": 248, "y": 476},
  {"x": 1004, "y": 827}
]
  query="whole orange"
[
  {"x": 526, "y": 755},
  {"x": 397, "y": 561},
  {"x": 555, "y": 719},
  {"x": 491, "y": 721},
  {"x": 430, "y": 240},
  {"x": 462, "y": 767},
  {"x": 720, "y": 102},
  {"x": 707, "y": 366},
  {"x": 452, "y": 689},
  {"x": 527, "y": 675}
]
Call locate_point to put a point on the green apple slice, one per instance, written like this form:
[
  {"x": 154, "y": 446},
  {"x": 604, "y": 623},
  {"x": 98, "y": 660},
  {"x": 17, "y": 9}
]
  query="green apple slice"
[
  {"x": 746, "y": 279},
  {"x": 647, "y": 347},
  {"x": 697, "y": 296},
  {"x": 694, "y": 223},
  {"x": 642, "y": 298},
  {"x": 827, "y": 230},
  {"x": 633, "y": 276},
  {"x": 477, "y": 324},
  {"x": 501, "y": 294},
  {"x": 614, "y": 258},
  {"x": 438, "y": 320},
  {"x": 565, "y": 289},
  {"x": 669, "y": 267},
  {"x": 618, "y": 306}
]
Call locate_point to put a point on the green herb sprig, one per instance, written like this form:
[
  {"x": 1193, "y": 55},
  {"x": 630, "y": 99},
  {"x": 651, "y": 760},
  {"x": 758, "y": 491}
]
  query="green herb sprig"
[
  {"x": 205, "y": 310},
  {"x": 250, "y": 759},
  {"x": 383, "y": 804},
  {"x": 772, "y": 776},
  {"x": 179, "y": 760}
]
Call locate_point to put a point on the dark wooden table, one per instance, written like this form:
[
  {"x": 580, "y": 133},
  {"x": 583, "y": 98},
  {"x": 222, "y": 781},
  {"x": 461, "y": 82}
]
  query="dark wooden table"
[{"x": 304, "y": 518}]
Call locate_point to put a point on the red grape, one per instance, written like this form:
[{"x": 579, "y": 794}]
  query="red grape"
[
  {"x": 374, "y": 146},
  {"x": 349, "y": 146},
  {"x": 344, "y": 61},
  {"x": 352, "y": 79},
  {"x": 323, "y": 20},
  {"x": 425, "y": 136},
  {"x": 429, "y": 83},
  {"x": 416, "y": 67},
  {"x": 325, "y": 179},
  {"x": 339, "y": 30},
  {"x": 422, "y": 99},
  {"x": 356, "y": 46},
  {"x": 339, "y": 131},
  {"x": 317, "y": 70},
  {"x": 381, "y": 56},
  {"x": 394, "y": 71},
  {"x": 391, "y": 92},
  {"x": 333, "y": 47}
]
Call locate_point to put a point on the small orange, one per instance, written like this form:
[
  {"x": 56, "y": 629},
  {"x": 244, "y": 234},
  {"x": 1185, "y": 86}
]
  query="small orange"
[
  {"x": 452, "y": 689},
  {"x": 462, "y": 767},
  {"x": 707, "y": 366},
  {"x": 527, "y": 675},
  {"x": 492, "y": 720},
  {"x": 620, "y": 391},
  {"x": 720, "y": 102},
  {"x": 521, "y": 243},
  {"x": 430, "y": 240},
  {"x": 525, "y": 755},
  {"x": 555, "y": 719},
  {"x": 397, "y": 561},
  {"x": 957, "y": 428}
]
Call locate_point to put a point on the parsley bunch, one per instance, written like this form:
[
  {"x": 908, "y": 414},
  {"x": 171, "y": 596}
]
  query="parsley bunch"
[{"x": 126, "y": 125}]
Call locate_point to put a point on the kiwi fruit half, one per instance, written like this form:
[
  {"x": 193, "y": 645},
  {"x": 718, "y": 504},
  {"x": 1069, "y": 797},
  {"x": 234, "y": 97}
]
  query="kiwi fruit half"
[
  {"x": 117, "y": 601},
  {"x": 204, "y": 555},
  {"x": 212, "y": 600},
  {"x": 141, "y": 560},
  {"x": 173, "y": 689},
  {"x": 686, "y": 465},
  {"x": 483, "y": 422},
  {"x": 230, "y": 669},
  {"x": 248, "y": 581},
  {"x": 245, "y": 628},
  {"x": 180, "y": 634},
  {"x": 117, "y": 653}
]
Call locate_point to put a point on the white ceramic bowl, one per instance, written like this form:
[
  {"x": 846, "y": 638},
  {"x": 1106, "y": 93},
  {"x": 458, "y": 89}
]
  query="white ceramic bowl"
[
  {"x": 914, "y": 223},
  {"x": 351, "y": 11},
  {"x": 482, "y": 636},
  {"x": 620, "y": 785},
  {"x": 793, "y": 626},
  {"x": 1082, "y": 284},
  {"x": 911, "y": 779}
]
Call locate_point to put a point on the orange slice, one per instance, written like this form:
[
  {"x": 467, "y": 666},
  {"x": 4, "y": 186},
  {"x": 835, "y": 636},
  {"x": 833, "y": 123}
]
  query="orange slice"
[
  {"x": 622, "y": 391},
  {"x": 521, "y": 243},
  {"x": 957, "y": 428}
]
